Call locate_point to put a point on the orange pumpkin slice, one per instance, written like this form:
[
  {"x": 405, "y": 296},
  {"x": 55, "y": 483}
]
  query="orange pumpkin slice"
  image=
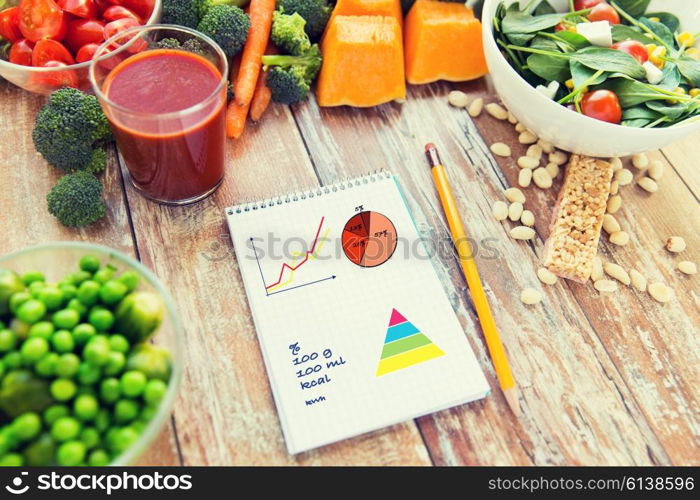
[
  {"x": 391, "y": 8},
  {"x": 443, "y": 42},
  {"x": 362, "y": 62}
]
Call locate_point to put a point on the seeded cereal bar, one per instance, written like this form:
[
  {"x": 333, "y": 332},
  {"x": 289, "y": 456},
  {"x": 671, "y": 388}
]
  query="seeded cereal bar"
[{"x": 578, "y": 219}]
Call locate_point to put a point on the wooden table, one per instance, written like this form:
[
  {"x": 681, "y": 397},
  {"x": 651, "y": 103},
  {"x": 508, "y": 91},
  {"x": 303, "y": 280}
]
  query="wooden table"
[{"x": 604, "y": 379}]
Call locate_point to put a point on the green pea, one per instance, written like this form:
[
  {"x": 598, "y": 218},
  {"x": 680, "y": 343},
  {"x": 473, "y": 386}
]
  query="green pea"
[
  {"x": 88, "y": 292},
  {"x": 124, "y": 439},
  {"x": 115, "y": 363},
  {"x": 71, "y": 453},
  {"x": 79, "y": 277},
  {"x": 65, "y": 429},
  {"x": 85, "y": 407},
  {"x": 46, "y": 366},
  {"x": 125, "y": 410},
  {"x": 69, "y": 291},
  {"x": 66, "y": 318},
  {"x": 31, "y": 276},
  {"x": 33, "y": 349},
  {"x": 112, "y": 292},
  {"x": 36, "y": 288},
  {"x": 96, "y": 351},
  {"x": 148, "y": 413},
  {"x": 90, "y": 437},
  {"x": 98, "y": 458},
  {"x": 8, "y": 440},
  {"x": 89, "y": 374},
  {"x": 133, "y": 383},
  {"x": 63, "y": 389},
  {"x": 8, "y": 340},
  {"x": 154, "y": 392},
  {"x": 89, "y": 263},
  {"x": 26, "y": 426},
  {"x": 67, "y": 365},
  {"x": 110, "y": 390},
  {"x": 130, "y": 279},
  {"x": 104, "y": 275},
  {"x": 20, "y": 328},
  {"x": 12, "y": 360},
  {"x": 102, "y": 319},
  {"x": 11, "y": 460},
  {"x": 52, "y": 297},
  {"x": 54, "y": 412},
  {"x": 42, "y": 329},
  {"x": 31, "y": 311},
  {"x": 78, "y": 306},
  {"x": 83, "y": 333},
  {"x": 119, "y": 343},
  {"x": 17, "y": 299},
  {"x": 63, "y": 341},
  {"x": 103, "y": 420}
]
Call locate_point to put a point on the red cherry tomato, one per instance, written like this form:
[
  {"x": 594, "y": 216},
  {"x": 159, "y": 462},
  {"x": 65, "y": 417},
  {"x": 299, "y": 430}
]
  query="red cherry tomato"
[
  {"x": 41, "y": 19},
  {"x": 83, "y": 31},
  {"x": 9, "y": 24},
  {"x": 21, "y": 52},
  {"x": 604, "y": 12},
  {"x": 114, "y": 27},
  {"x": 634, "y": 48},
  {"x": 86, "y": 52},
  {"x": 47, "y": 50},
  {"x": 54, "y": 79},
  {"x": 143, "y": 8},
  {"x": 114, "y": 12},
  {"x": 602, "y": 105},
  {"x": 587, "y": 4},
  {"x": 86, "y": 9}
]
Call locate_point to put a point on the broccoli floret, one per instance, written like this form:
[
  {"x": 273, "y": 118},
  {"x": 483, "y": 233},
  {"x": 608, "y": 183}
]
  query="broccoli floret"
[
  {"x": 70, "y": 130},
  {"x": 203, "y": 6},
  {"x": 289, "y": 77},
  {"x": 228, "y": 26},
  {"x": 168, "y": 43},
  {"x": 180, "y": 12},
  {"x": 195, "y": 45},
  {"x": 288, "y": 33},
  {"x": 76, "y": 200},
  {"x": 315, "y": 12}
]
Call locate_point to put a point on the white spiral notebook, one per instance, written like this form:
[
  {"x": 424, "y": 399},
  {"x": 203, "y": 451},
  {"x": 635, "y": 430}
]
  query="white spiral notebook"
[{"x": 354, "y": 325}]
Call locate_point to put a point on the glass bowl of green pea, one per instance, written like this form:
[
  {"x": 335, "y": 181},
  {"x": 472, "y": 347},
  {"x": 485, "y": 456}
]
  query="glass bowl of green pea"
[{"x": 90, "y": 356}]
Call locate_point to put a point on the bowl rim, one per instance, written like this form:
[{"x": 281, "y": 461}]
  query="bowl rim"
[
  {"x": 157, "y": 5},
  {"x": 490, "y": 11},
  {"x": 165, "y": 408}
]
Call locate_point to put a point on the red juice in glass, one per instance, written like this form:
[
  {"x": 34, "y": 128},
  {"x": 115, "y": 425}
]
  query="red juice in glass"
[{"x": 167, "y": 110}]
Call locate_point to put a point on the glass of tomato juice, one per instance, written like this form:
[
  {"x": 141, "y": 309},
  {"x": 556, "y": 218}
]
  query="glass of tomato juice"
[{"x": 163, "y": 89}]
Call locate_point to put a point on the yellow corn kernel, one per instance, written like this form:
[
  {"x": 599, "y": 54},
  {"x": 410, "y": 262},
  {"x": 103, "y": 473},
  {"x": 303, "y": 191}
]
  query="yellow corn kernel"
[
  {"x": 677, "y": 90},
  {"x": 651, "y": 47},
  {"x": 656, "y": 57},
  {"x": 569, "y": 84},
  {"x": 694, "y": 92},
  {"x": 655, "y": 19},
  {"x": 693, "y": 53},
  {"x": 686, "y": 39}
]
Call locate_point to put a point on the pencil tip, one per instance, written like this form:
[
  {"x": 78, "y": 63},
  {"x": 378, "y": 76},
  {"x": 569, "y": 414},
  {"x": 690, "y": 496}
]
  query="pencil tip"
[
  {"x": 512, "y": 400},
  {"x": 429, "y": 147}
]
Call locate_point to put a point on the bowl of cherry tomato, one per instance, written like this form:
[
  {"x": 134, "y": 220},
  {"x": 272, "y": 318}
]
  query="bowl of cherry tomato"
[{"x": 48, "y": 44}]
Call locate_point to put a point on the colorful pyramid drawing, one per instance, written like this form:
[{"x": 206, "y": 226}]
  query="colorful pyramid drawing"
[{"x": 405, "y": 346}]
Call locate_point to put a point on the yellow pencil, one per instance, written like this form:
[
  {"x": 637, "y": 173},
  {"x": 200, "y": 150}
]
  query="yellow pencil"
[{"x": 459, "y": 237}]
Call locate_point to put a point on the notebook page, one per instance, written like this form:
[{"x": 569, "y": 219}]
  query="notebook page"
[{"x": 355, "y": 336}]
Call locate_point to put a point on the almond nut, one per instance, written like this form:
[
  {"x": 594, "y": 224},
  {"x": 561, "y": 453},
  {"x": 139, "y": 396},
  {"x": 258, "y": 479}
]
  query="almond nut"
[
  {"x": 546, "y": 276},
  {"x": 640, "y": 161},
  {"x": 524, "y": 177},
  {"x": 620, "y": 238},
  {"x": 501, "y": 149},
  {"x": 610, "y": 224},
  {"x": 624, "y": 177},
  {"x": 675, "y": 244},
  {"x": 500, "y": 210},
  {"x": 639, "y": 282},
  {"x": 648, "y": 184},
  {"x": 514, "y": 194},
  {"x": 530, "y": 296},
  {"x": 515, "y": 210},
  {"x": 597, "y": 273},
  {"x": 660, "y": 292},
  {"x": 458, "y": 99},
  {"x": 605, "y": 286},
  {"x": 528, "y": 162},
  {"x": 476, "y": 107},
  {"x": 687, "y": 267},
  {"x": 527, "y": 218},
  {"x": 617, "y": 272},
  {"x": 497, "y": 111},
  {"x": 542, "y": 178},
  {"x": 522, "y": 233}
]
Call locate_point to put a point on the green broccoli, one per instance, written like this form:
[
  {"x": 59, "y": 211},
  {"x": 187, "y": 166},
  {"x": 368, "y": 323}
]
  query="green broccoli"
[
  {"x": 315, "y": 12},
  {"x": 180, "y": 12},
  {"x": 191, "y": 45},
  {"x": 201, "y": 7},
  {"x": 289, "y": 78},
  {"x": 76, "y": 200},
  {"x": 168, "y": 43},
  {"x": 288, "y": 33},
  {"x": 70, "y": 130},
  {"x": 228, "y": 26}
]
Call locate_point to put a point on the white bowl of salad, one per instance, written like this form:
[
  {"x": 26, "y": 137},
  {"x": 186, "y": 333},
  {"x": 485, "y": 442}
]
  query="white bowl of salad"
[{"x": 598, "y": 77}]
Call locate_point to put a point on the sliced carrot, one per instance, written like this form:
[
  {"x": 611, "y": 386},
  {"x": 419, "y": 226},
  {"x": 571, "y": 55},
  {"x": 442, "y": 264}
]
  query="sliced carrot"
[{"x": 262, "y": 95}]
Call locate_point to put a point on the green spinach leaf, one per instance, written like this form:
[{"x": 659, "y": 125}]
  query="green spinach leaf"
[
  {"x": 544, "y": 8},
  {"x": 582, "y": 74},
  {"x": 519, "y": 22},
  {"x": 573, "y": 39},
  {"x": 674, "y": 112},
  {"x": 672, "y": 77},
  {"x": 690, "y": 69},
  {"x": 622, "y": 32},
  {"x": 634, "y": 8},
  {"x": 631, "y": 92},
  {"x": 610, "y": 60},
  {"x": 659, "y": 30},
  {"x": 671, "y": 21},
  {"x": 549, "y": 68}
]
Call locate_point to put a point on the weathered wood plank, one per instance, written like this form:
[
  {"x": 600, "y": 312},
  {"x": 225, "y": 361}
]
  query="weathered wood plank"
[
  {"x": 577, "y": 408},
  {"x": 654, "y": 347},
  {"x": 25, "y": 221},
  {"x": 683, "y": 156},
  {"x": 225, "y": 413}
]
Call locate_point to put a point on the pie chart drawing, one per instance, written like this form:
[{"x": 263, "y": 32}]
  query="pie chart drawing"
[{"x": 369, "y": 239}]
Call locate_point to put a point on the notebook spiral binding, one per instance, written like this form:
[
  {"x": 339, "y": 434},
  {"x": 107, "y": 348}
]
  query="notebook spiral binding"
[{"x": 348, "y": 183}]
